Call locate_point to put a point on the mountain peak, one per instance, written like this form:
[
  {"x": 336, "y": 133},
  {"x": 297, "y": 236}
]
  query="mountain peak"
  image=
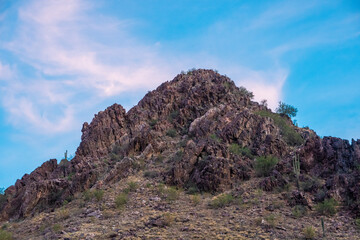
[{"x": 198, "y": 131}]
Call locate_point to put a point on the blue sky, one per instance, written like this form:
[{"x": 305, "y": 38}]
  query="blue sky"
[{"x": 63, "y": 61}]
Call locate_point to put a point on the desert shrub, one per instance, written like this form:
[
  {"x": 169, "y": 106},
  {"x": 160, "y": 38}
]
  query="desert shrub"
[
  {"x": 121, "y": 200},
  {"x": 161, "y": 188},
  {"x": 159, "y": 159},
  {"x": 87, "y": 195},
  {"x": 178, "y": 156},
  {"x": 132, "y": 186},
  {"x": 286, "y": 109},
  {"x": 327, "y": 207},
  {"x": 320, "y": 195},
  {"x": 215, "y": 137},
  {"x": 168, "y": 219},
  {"x": 258, "y": 221},
  {"x": 311, "y": 184},
  {"x": 98, "y": 194},
  {"x": 191, "y": 71},
  {"x": 57, "y": 228},
  {"x": 284, "y": 188},
  {"x": 70, "y": 176},
  {"x": 237, "y": 150},
  {"x": 271, "y": 220},
  {"x": 245, "y": 92},
  {"x": 5, "y": 235},
  {"x": 357, "y": 223},
  {"x": 264, "y": 103},
  {"x": 63, "y": 214},
  {"x": 221, "y": 201},
  {"x": 291, "y": 137},
  {"x": 173, "y": 115},
  {"x": 309, "y": 232},
  {"x": 195, "y": 199},
  {"x": 65, "y": 202},
  {"x": 153, "y": 122},
  {"x": 265, "y": 164},
  {"x": 171, "y": 133},
  {"x": 299, "y": 211},
  {"x": 192, "y": 190},
  {"x": 108, "y": 214},
  {"x": 151, "y": 174},
  {"x": 172, "y": 194}
]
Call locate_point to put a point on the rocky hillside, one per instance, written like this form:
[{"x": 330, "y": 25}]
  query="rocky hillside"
[{"x": 198, "y": 133}]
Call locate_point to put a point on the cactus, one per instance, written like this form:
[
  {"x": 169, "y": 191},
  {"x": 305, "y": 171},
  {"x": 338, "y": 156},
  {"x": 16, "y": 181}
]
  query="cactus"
[
  {"x": 296, "y": 168},
  {"x": 323, "y": 226},
  {"x": 66, "y": 152}
]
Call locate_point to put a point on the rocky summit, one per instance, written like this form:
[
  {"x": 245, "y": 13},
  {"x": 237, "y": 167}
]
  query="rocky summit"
[{"x": 194, "y": 159}]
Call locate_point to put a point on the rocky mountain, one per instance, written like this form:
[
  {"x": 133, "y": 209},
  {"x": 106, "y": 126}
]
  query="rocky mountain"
[{"x": 200, "y": 133}]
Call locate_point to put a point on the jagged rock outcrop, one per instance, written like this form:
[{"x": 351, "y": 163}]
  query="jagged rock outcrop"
[{"x": 208, "y": 131}]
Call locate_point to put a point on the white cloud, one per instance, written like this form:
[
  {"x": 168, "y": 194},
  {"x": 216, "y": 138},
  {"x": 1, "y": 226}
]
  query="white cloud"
[
  {"x": 264, "y": 84},
  {"x": 283, "y": 12},
  {"x": 5, "y": 72},
  {"x": 65, "y": 42}
]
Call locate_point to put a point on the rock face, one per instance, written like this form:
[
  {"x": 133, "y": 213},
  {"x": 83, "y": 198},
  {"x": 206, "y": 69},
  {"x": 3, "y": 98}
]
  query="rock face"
[{"x": 208, "y": 131}]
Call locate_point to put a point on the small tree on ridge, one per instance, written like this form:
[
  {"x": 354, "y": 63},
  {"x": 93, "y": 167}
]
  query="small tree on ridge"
[{"x": 286, "y": 109}]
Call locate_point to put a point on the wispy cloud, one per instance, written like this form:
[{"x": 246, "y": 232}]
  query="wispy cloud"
[
  {"x": 283, "y": 12},
  {"x": 5, "y": 72},
  {"x": 53, "y": 38},
  {"x": 264, "y": 84}
]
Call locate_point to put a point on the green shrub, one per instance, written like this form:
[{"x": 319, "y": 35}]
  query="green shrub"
[
  {"x": 5, "y": 235},
  {"x": 87, "y": 195},
  {"x": 153, "y": 122},
  {"x": 173, "y": 115},
  {"x": 265, "y": 164},
  {"x": 245, "y": 92},
  {"x": 151, "y": 174},
  {"x": 221, "y": 201},
  {"x": 63, "y": 213},
  {"x": 309, "y": 232},
  {"x": 172, "y": 194},
  {"x": 311, "y": 184},
  {"x": 271, "y": 220},
  {"x": 159, "y": 159},
  {"x": 168, "y": 219},
  {"x": 237, "y": 150},
  {"x": 132, "y": 186},
  {"x": 214, "y": 137},
  {"x": 98, "y": 194},
  {"x": 327, "y": 207},
  {"x": 291, "y": 137},
  {"x": 320, "y": 195},
  {"x": 192, "y": 190},
  {"x": 121, "y": 200},
  {"x": 299, "y": 211},
  {"x": 171, "y": 133},
  {"x": 178, "y": 156},
  {"x": 357, "y": 223},
  {"x": 70, "y": 176},
  {"x": 57, "y": 228},
  {"x": 195, "y": 199},
  {"x": 286, "y": 109}
]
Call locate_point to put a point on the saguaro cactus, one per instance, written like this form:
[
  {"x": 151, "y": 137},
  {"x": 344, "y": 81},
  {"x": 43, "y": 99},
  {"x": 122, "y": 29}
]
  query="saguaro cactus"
[
  {"x": 296, "y": 168},
  {"x": 323, "y": 226},
  {"x": 66, "y": 152}
]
